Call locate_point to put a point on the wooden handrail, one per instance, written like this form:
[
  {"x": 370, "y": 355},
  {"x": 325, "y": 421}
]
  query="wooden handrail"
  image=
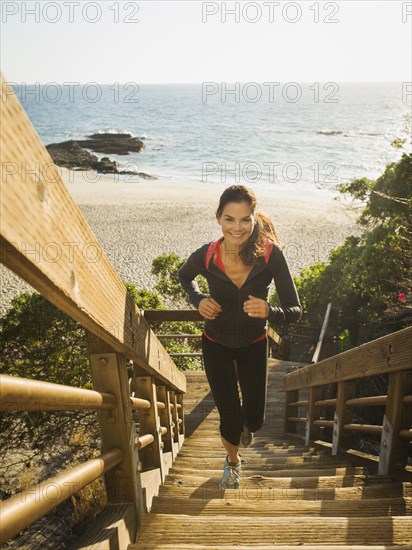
[
  {"x": 145, "y": 440},
  {"x": 389, "y": 354},
  {"x": 296, "y": 419},
  {"x": 138, "y": 403},
  {"x": 26, "y": 507},
  {"x": 24, "y": 394},
  {"x": 367, "y": 428},
  {"x": 367, "y": 401},
  {"x": 74, "y": 273},
  {"x": 406, "y": 434},
  {"x": 47, "y": 242}
]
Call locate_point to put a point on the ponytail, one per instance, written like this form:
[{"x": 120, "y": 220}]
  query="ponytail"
[{"x": 263, "y": 233}]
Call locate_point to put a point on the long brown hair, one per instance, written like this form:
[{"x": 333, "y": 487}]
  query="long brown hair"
[{"x": 264, "y": 229}]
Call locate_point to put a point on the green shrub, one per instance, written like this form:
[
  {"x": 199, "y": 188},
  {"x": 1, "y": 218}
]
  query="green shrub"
[{"x": 369, "y": 277}]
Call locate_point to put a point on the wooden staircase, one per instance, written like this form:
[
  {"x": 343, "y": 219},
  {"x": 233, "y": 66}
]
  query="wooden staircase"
[{"x": 290, "y": 495}]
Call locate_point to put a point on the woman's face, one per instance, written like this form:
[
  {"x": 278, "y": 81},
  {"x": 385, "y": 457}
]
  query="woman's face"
[{"x": 237, "y": 222}]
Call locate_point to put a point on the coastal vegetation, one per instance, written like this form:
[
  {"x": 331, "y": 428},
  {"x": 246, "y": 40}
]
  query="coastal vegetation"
[{"x": 369, "y": 277}]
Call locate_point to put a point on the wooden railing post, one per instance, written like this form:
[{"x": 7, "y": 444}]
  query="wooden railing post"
[
  {"x": 180, "y": 418},
  {"x": 109, "y": 374},
  {"x": 175, "y": 418},
  {"x": 312, "y": 431},
  {"x": 342, "y": 439},
  {"x": 166, "y": 420},
  {"x": 291, "y": 397},
  {"x": 394, "y": 450},
  {"x": 149, "y": 423}
]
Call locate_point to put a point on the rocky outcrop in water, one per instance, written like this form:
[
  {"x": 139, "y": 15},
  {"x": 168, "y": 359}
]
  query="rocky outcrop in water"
[
  {"x": 118, "y": 144},
  {"x": 73, "y": 154}
]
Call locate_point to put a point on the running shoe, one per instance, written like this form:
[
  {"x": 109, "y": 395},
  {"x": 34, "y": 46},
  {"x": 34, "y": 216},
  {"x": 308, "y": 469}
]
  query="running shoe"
[
  {"x": 231, "y": 475},
  {"x": 246, "y": 437}
]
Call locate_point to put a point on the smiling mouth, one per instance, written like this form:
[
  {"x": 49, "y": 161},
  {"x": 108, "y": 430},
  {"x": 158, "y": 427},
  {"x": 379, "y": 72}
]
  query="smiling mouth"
[{"x": 234, "y": 235}]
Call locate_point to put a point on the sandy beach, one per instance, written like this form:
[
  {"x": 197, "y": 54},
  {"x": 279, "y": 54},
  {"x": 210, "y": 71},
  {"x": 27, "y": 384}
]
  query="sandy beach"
[{"x": 136, "y": 220}]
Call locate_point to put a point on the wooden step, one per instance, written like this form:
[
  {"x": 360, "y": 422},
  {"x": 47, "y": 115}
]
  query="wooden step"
[
  {"x": 207, "y": 446},
  {"x": 274, "y": 547},
  {"x": 270, "y": 465},
  {"x": 301, "y": 482},
  {"x": 249, "y": 470},
  {"x": 356, "y": 492},
  {"x": 255, "y": 505},
  {"x": 255, "y": 454},
  {"x": 215, "y": 530}
]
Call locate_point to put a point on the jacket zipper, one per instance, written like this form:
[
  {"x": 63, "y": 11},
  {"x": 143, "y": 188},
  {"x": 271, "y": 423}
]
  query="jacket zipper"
[
  {"x": 239, "y": 301},
  {"x": 238, "y": 318}
]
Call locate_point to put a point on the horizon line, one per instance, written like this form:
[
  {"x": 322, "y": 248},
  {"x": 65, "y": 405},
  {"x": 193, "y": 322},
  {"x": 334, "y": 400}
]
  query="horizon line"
[{"x": 219, "y": 82}]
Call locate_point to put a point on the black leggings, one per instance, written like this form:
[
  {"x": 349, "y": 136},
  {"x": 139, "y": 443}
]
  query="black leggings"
[{"x": 222, "y": 375}]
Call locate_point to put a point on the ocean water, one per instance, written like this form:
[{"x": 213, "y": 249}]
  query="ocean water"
[{"x": 303, "y": 137}]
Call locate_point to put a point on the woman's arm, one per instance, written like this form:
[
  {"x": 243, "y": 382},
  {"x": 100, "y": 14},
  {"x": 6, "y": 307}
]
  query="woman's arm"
[
  {"x": 291, "y": 309},
  {"x": 187, "y": 273}
]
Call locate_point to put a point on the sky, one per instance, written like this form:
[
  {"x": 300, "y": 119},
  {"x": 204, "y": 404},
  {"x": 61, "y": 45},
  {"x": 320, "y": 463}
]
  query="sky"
[{"x": 194, "y": 41}]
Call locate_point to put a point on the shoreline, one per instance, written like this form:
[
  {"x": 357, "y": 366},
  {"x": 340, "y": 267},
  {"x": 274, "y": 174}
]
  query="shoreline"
[
  {"x": 137, "y": 221},
  {"x": 88, "y": 186}
]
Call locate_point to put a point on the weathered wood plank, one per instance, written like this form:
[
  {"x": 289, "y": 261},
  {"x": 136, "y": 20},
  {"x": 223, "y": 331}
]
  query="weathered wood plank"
[
  {"x": 114, "y": 528},
  {"x": 256, "y": 469},
  {"x": 389, "y": 353},
  {"x": 179, "y": 528},
  {"x": 398, "y": 415},
  {"x": 255, "y": 505},
  {"x": 263, "y": 460},
  {"x": 149, "y": 423},
  {"x": 386, "y": 489},
  {"x": 269, "y": 481},
  {"x": 312, "y": 431},
  {"x": 341, "y": 439},
  {"x": 46, "y": 240},
  {"x": 151, "y": 482},
  {"x": 274, "y": 547}
]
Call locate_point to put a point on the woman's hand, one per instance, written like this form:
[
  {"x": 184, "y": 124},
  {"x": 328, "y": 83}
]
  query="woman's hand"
[
  {"x": 256, "y": 307},
  {"x": 209, "y": 308}
]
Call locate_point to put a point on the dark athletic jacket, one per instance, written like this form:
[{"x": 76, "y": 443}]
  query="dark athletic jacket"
[{"x": 233, "y": 327}]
